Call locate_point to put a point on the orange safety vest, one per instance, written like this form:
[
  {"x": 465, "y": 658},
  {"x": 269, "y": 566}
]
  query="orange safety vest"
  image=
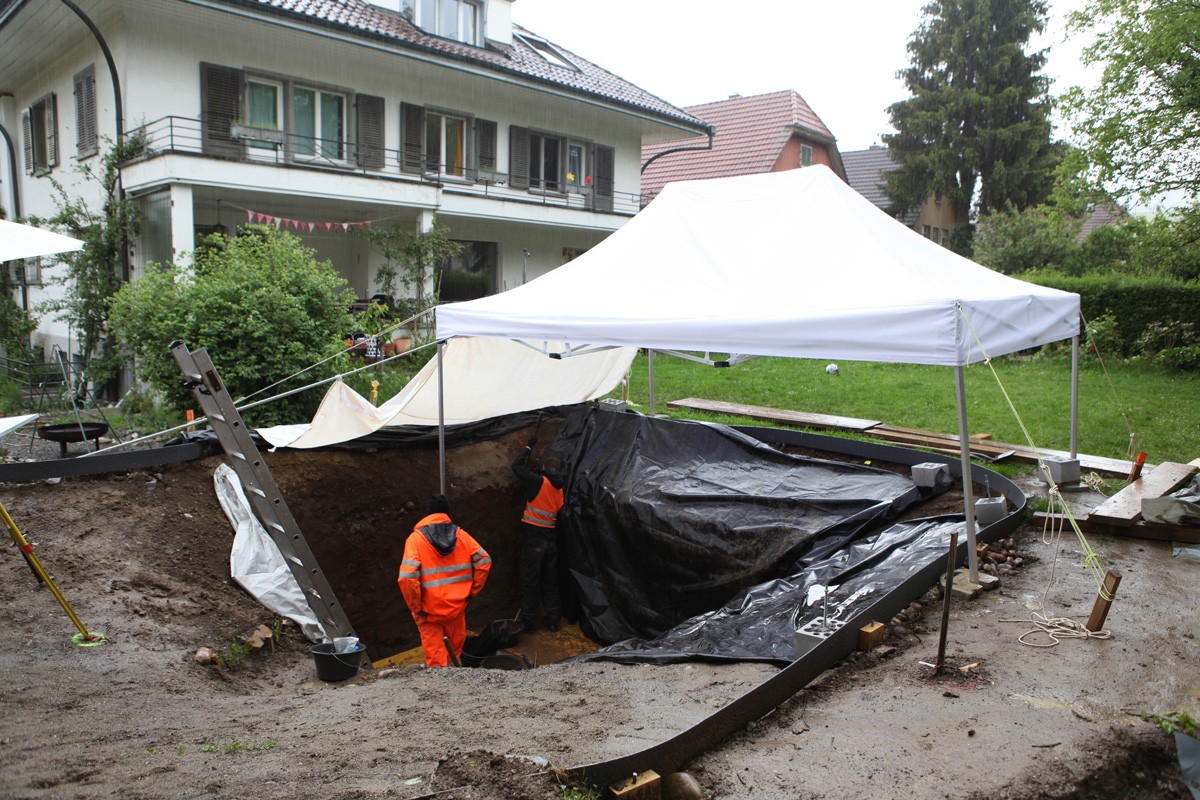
[
  {"x": 542, "y": 511},
  {"x": 437, "y": 584}
]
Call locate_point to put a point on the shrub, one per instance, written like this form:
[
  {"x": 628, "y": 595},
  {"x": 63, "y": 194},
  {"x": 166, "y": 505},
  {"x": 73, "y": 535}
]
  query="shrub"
[
  {"x": 1181, "y": 358},
  {"x": 261, "y": 305}
]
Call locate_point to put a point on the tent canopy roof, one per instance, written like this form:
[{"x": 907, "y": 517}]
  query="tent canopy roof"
[{"x": 792, "y": 263}]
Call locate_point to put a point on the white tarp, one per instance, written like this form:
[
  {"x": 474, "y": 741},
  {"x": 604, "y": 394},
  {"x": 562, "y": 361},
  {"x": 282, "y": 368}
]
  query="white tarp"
[
  {"x": 792, "y": 263},
  {"x": 484, "y": 378},
  {"x": 26, "y": 241},
  {"x": 255, "y": 561}
]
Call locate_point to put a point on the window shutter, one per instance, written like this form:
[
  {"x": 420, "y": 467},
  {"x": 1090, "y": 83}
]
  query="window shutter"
[
  {"x": 85, "y": 113},
  {"x": 603, "y": 169},
  {"x": 369, "y": 120},
  {"x": 220, "y": 105},
  {"x": 485, "y": 145},
  {"x": 412, "y": 138},
  {"x": 27, "y": 134},
  {"x": 518, "y": 157},
  {"x": 52, "y": 130}
]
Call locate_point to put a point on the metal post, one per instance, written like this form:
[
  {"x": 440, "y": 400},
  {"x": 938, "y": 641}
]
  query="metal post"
[
  {"x": 650, "y": 367},
  {"x": 441, "y": 419},
  {"x": 524, "y": 264},
  {"x": 964, "y": 447},
  {"x": 1074, "y": 397}
]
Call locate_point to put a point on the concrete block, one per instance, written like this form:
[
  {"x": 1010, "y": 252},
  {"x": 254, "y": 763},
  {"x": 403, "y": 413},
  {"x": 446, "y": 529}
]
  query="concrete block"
[
  {"x": 1063, "y": 471},
  {"x": 810, "y": 634},
  {"x": 611, "y": 405},
  {"x": 871, "y": 635},
  {"x": 989, "y": 510},
  {"x": 641, "y": 785},
  {"x": 925, "y": 476}
]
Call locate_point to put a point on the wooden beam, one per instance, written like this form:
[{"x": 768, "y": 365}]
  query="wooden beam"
[
  {"x": 1125, "y": 507},
  {"x": 802, "y": 418},
  {"x": 1104, "y": 601}
]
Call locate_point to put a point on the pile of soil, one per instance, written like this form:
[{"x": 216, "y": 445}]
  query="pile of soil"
[{"x": 143, "y": 558}]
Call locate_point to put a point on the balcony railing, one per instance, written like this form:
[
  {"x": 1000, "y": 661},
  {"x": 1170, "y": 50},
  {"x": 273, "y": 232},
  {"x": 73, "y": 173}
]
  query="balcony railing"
[{"x": 271, "y": 147}]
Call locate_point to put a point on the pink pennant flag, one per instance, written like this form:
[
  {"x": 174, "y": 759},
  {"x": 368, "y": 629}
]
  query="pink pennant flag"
[
  {"x": 249, "y": 215},
  {"x": 345, "y": 227},
  {"x": 312, "y": 226}
]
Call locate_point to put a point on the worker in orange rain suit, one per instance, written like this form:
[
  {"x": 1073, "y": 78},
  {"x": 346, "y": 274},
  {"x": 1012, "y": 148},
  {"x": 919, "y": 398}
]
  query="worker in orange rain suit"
[
  {"x": 543, "y": 493},
  {"x": 443, "y": 568}
]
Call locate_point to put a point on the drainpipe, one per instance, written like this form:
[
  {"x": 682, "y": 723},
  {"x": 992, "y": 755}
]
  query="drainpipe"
[
  {"x": 712, "y": 132},
  {"x": 16, "y": 199}
]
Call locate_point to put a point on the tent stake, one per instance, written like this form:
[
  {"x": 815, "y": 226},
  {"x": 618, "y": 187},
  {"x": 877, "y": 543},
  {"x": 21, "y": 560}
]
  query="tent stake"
[
  {"x": 964, "y": 448},
  {"x": 951, "y": 563}
]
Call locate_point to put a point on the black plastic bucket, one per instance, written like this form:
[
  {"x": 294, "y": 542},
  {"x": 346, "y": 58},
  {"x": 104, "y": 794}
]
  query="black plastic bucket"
[{"x": 333, "y": 666}]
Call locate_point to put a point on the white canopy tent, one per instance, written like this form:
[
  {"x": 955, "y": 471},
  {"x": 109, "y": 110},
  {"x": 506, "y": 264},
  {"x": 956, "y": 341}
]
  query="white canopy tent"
[
  {"x": 26, "y": 241},
  {"x": 791, "y": 263}
]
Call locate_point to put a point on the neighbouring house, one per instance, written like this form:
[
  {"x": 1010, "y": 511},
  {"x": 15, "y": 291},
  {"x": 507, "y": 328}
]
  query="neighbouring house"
[
  {"x": 322, "y": 118},
  {"x": 865, "y": 170},
  {"x": 750, "y": 135}
]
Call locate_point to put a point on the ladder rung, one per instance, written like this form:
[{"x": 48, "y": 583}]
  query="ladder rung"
[
  {"x": 236, "y": 454},
  {"x": 258, "y": 491}
]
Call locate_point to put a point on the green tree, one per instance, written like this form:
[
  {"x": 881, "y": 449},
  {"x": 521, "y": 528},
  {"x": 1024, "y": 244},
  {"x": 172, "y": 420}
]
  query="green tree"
[
  {"x": 979, "y": 110},
  {"x": 412, "y": 265},
  {"x": 95, "y": 273},
  {"x": 1023, "y": 240},
  {"x": 261, "y": 305},
  {"x": 1140, "y": 126}
]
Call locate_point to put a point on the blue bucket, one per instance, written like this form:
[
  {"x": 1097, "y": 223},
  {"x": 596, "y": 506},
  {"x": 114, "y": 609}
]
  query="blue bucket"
[{"x": 332, "y": 666}]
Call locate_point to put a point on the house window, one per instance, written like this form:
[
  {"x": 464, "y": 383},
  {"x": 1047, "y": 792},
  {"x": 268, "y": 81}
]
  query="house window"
[
  {"x": 454, "y": 19},
  {"x": 470, "y": 274},
  {"x": 40, "y": 126},
  {"x": 318, "y": 123},
  {"x": 805, "y": 156},
  {"x": 937, "y": 236},
  {"x": 445, "y": 144},
  {"x": 547, "y": 51},
  {"x": 545, "y": 162},
  {"x": 263, "y": 108},
  {"x": 27, "y": 272},
  {"x": 925, "y": 231},
  {"x": 577, "y": 174},
  {"x": 85, "y": 113}
]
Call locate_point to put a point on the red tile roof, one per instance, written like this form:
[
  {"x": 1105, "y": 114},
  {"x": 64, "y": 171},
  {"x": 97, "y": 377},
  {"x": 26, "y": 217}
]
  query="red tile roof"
[
  {"x": 361, "y": 18},
  {"x": 750, "y": 133}
]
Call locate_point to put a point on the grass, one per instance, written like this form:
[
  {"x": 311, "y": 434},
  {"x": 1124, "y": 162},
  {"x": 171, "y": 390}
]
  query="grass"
[{"x": 1157, "y": 406}]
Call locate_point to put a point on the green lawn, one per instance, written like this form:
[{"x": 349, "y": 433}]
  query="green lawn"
[{"x": 1158, "y": 406}]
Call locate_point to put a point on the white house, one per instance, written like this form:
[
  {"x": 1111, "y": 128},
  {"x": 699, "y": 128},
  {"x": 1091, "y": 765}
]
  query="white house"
[{"x": 324, "y": 116}]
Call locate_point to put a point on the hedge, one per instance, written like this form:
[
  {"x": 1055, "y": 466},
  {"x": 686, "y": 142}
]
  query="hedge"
[{"x": 1135, "y": 303}]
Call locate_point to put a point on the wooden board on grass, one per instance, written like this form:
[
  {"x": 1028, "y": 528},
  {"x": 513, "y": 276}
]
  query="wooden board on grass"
[
  {"x": 802, "y": 418},
  {"x": 1125, "y": 507}
]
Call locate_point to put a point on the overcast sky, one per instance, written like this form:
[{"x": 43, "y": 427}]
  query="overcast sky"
[{"x": 841, "y": 57}]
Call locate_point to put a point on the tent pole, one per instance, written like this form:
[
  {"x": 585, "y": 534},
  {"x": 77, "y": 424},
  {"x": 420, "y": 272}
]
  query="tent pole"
[
  {"x": 650, "y": 364},
  {"x": 441, "y": 420},
  {"x": 1074, "y": 397},
  {"x": 964, "y": 448}
]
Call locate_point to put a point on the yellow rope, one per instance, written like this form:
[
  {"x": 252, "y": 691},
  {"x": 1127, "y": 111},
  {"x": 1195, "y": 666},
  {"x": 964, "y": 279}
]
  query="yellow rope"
[{"x": 1054, "y": 495}]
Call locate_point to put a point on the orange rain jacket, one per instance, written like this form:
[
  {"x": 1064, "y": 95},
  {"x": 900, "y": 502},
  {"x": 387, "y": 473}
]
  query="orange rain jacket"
[
  {"x": 443, "y": 567},
  {"x": 542, "y": 510}
]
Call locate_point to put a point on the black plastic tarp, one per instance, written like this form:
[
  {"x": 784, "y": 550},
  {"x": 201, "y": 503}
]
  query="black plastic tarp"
[{"x": 667, "y": 520}]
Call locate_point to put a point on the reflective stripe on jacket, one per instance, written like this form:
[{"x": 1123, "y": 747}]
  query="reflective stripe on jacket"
[
  {"x": 436, "y": 584},
  {"x": 542, "y": 511}
]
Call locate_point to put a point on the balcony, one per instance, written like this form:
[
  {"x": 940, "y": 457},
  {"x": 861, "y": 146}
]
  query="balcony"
[{"x": 270, "y": 147}]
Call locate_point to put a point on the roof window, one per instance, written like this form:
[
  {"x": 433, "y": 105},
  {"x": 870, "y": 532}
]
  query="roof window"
[{"x": 547, "y": 51}]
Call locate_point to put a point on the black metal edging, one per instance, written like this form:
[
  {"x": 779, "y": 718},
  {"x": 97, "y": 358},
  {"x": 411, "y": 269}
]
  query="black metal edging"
[
  {"x": 675, "y": 753},
  {"x": 22, "y": 471}
]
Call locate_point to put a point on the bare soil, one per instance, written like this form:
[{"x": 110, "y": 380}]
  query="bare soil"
[{"x": 144, "y": 558}]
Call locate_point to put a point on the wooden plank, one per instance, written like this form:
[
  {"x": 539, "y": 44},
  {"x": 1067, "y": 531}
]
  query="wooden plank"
[
  {"x": 1125, "y": 507},
  {"x": 1157, "y": 531},
  {"x": 805, "y": 419},
  {"x": 1104, "y": 601}
]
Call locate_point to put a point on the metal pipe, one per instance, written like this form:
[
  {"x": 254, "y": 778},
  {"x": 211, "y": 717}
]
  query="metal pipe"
[
  {"x": 1074, "y": 397},
  {"x": 650, "y": 370},
  {"x": 964, "y": 448},
  {"x": 112, "y": 66},
  {"x": 441, "y": 418}
]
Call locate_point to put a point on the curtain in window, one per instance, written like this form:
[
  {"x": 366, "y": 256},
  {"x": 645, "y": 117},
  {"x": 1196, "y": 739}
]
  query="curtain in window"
[
  {"x": 331, "y": 125},
  {"x": 304, "y": 121}
]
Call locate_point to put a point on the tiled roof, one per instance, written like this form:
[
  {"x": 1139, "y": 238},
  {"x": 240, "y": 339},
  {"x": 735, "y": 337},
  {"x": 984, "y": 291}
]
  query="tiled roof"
[
  {"x": 358, "y": 17},
  {"x": 750, "y": 133},
  {"x": 864, "y": 172},
  {"x": 1105, "y": 213}
]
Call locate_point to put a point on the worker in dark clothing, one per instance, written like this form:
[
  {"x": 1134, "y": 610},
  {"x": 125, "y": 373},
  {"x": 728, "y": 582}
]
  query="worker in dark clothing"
[{"x": 543, "y": 494}]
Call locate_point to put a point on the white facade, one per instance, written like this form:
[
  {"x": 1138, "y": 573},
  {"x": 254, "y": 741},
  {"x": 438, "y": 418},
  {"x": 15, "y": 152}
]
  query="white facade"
[{"x": 492, "y": 109}]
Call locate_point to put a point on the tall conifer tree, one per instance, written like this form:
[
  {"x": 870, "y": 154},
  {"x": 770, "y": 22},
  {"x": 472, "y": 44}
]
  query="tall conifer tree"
[{"x": 979, "y": 110}]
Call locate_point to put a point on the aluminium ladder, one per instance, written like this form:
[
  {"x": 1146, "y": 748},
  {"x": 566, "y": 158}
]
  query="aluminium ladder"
[{"x": 264, "y": 494}]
